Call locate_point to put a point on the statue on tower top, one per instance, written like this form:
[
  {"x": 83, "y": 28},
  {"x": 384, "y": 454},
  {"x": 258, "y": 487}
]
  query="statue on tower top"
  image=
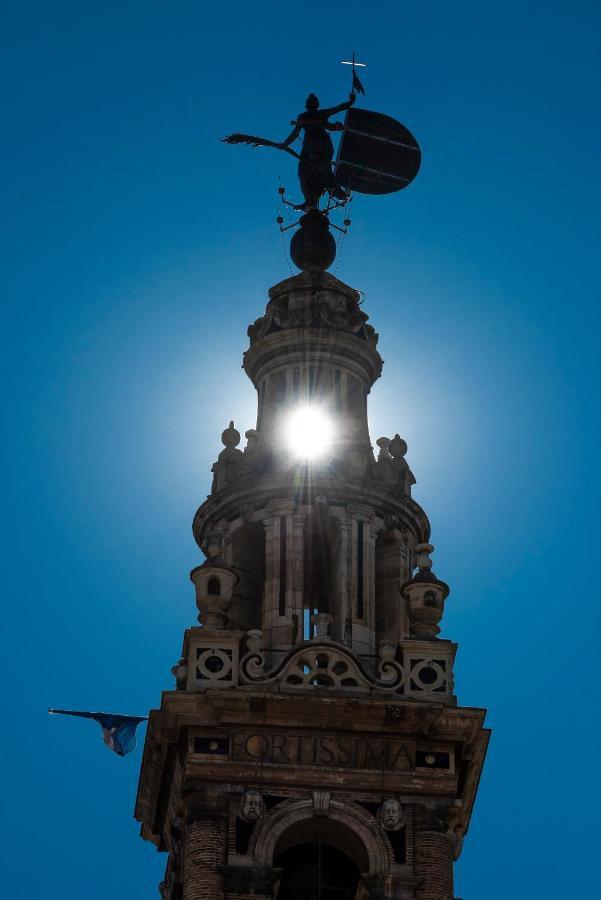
[
  {"x": 315, "y": 171},
  {"x": 376, "y": 155}
]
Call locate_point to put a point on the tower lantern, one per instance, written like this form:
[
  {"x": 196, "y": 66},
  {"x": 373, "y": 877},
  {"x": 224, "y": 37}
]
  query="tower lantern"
[{"x": 312, "y": 745}]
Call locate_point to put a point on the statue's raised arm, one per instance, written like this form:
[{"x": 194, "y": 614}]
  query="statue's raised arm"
[{"x": 341, "y": 106}]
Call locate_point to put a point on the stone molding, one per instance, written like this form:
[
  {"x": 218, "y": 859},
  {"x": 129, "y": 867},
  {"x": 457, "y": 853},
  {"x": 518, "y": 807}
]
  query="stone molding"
[{"x": 258, "y": 493}]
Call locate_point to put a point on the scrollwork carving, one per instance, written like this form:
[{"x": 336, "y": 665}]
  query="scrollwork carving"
[
  {"x": 327, "y": 664},
  {"x": 389, "y": 671},
  {"x": 321, "y": 665},
  {"x": 252, "y": 666}
]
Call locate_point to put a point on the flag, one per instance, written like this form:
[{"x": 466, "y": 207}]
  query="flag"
[
  {"x": 118, "y": 732},
  {"x": 357, "y": 86}
]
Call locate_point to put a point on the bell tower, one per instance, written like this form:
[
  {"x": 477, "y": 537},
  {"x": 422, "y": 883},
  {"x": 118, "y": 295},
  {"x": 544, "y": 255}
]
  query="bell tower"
[{"x": 312, "y": 745}]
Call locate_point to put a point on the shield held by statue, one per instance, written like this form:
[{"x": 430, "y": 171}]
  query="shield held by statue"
[{"x": 377, "y": 155}]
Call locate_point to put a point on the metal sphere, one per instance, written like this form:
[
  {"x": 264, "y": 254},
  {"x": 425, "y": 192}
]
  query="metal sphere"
[{"x": 313, "y": 246}]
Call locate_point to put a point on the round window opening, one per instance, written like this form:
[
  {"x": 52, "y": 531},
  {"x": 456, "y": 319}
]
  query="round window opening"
[
  {"x": 214, "y": 664},
  {"x": 428, "y": 675}
]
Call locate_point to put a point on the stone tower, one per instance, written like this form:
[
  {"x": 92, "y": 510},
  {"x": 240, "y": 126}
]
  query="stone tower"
[{"x": 312, "y": 746}]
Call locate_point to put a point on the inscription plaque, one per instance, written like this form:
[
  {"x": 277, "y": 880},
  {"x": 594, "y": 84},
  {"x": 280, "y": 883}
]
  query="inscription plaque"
[{"x": 321, "y": 750}]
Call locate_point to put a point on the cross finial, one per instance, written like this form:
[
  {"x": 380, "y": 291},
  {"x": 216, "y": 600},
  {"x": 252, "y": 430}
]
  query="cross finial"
[
  {"x": 357, "y": 86},
  {"x": 352, "y": 62}
]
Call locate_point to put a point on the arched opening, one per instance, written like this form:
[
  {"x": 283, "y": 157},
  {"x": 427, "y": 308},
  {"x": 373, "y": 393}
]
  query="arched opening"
[
  {"x": 214, "y": 586},
  {"x": 345, "y": 827},
  {"x": 320, "y": 860}
]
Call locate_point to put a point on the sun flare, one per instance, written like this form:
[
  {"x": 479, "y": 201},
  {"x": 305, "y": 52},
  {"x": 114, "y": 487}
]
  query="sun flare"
[{"x": 309, "y": 432}]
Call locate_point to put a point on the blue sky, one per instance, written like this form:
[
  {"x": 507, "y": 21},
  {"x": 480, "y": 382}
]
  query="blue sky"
[{"x": 136, "y": 250}]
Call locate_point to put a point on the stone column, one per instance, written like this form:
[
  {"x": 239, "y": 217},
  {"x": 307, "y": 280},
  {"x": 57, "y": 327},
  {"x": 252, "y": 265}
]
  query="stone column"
[
  {"x": 433, "y": 864},
  {"x": 205, "y": 846},
  {"x": 371, "y": 533},
  {"x": 270, "y": 592},
  {"x": 341, "y": 608}
]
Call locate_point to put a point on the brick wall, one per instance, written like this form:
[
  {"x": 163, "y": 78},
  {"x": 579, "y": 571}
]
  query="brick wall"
[
  {"x": 434, "y": 863},
  {"x": 204, "y": 852}
]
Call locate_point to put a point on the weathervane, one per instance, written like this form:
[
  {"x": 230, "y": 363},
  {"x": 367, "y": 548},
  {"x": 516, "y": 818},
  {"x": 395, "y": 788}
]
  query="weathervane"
[{"x": 376, "y": 155}]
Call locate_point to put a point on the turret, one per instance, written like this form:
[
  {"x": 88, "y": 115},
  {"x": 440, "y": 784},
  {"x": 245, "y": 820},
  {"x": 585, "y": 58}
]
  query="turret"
[{"x": 319, "y": 534}]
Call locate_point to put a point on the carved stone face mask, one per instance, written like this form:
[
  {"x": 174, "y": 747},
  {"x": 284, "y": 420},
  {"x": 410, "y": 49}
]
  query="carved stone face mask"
[
  {"x": 252, "y": 806},
  {"x": 390, "y": 815}
]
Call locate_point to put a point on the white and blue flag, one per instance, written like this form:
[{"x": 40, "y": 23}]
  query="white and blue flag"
[{"x": 118, "y": 732}]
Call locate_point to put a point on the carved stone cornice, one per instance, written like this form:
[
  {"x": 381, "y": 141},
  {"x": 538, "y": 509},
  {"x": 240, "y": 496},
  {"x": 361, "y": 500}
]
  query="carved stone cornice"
[
  {"x": 222, "y": 713},
  {"x": 313, "y": 301},
  {"x": 260, "y": 492},
  {"x": 309, "y": 346}
]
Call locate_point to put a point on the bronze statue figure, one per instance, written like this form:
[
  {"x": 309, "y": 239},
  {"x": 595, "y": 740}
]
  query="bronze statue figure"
[
  {"x": 315, "y": 159},
  {"x": 376, "y": 155}
]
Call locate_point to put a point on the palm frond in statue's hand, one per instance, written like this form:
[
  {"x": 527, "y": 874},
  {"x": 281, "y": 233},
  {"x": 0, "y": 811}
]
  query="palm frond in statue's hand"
[{"x": 254, "y": 141}]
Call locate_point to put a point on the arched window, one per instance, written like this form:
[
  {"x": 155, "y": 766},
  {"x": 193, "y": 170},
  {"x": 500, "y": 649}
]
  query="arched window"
[
  {"x": 214, "y": 586},
  {"x": 430, "y": 599}
]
